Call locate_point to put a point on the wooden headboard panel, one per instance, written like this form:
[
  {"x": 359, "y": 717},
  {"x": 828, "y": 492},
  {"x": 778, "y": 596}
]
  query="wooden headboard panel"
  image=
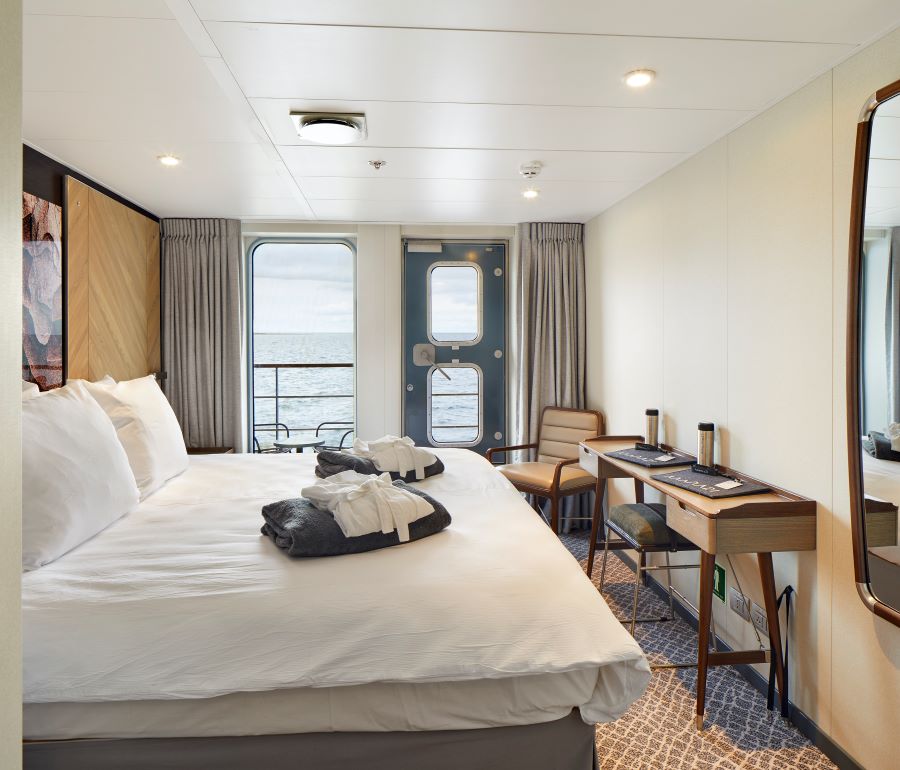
[{"x": 112, "y": 263}]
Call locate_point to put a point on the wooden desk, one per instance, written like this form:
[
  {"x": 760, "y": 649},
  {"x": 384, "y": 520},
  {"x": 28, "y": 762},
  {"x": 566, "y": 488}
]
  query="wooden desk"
[{"x": 762, "y": 524}]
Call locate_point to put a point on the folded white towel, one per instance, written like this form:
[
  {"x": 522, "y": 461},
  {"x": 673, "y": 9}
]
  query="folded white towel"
[
  {"x": 395, "y": 455},
  {"x": 365, "y": 504}
]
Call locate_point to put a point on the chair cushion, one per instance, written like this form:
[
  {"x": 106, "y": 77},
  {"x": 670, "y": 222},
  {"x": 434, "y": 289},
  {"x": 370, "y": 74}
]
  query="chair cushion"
[
  {"x": 562, "y": 429},
  {"x": 540, "y": 475},
  {"x": 645, "y": 524}
]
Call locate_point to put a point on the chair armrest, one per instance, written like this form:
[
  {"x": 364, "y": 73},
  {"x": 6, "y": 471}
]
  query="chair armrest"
[
  {"x": 490, "y": 453},
  {"x": 557, "y": 471}
]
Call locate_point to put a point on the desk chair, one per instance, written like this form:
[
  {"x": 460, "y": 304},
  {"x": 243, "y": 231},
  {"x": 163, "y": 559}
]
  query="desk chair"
[
  {"x": 556, "y": 474},
  {"x": 643, "y": 528}
]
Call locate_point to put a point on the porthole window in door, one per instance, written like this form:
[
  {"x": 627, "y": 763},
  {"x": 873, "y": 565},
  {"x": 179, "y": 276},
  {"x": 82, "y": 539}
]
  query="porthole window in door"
[
  {"x": 455, "y": 405},
  {"x": 454, "y": 303}
]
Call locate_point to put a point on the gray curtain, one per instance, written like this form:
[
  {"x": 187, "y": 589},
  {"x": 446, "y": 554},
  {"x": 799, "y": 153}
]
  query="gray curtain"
[
  {"x": 892, "y": 327},
  {"x": 202, "y": 321},
  {"x": 549, "y": 331},
  {"x": 550, "y": 328}
]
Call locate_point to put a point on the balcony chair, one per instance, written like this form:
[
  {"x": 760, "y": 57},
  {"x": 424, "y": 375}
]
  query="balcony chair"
[
  {"x": 555, "y": 473},
  {"x": 269, "y": 427},
  {"x": 333, "y": 425}
]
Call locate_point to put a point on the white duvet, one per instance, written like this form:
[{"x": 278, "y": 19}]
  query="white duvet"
[{"x": 183, "y": 598}]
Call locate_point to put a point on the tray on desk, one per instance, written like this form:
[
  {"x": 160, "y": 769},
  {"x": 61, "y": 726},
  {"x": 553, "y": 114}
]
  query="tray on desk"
[
  {"x": 704, "y": 484},
  {"x": 645, "y": 457}
]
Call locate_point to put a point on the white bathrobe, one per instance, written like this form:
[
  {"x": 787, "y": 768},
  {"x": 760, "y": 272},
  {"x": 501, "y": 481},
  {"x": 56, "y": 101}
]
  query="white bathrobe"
[
  {"x": 365, "y": 504},
  {"x": 393, "y": 454}
]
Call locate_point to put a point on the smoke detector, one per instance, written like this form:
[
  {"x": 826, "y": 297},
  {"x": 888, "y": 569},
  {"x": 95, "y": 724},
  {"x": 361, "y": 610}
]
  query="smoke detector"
[{"x": 531, "y": 170}]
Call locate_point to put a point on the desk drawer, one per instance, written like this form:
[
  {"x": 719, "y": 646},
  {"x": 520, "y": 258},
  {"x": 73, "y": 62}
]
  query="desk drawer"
[
  {"x": 587, "y": 460},
  {"x": 699, "y": 529},
  {"x": 744, "y": 534}
]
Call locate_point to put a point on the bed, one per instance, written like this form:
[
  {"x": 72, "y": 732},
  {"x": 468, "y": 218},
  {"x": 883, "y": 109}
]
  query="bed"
[
  {"x": 881, "y": 480},
  {"x": 180, "y": 637}
]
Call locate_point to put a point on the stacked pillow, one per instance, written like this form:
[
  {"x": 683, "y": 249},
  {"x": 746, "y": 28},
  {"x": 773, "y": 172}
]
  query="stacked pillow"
[
  {"x": 146, "y": 426},
  {"x": 76, "y": 480},
  {"x": 90, "y": 452}
]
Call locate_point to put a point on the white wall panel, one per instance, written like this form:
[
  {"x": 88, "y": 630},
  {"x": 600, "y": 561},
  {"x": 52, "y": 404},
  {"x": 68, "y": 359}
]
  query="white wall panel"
[
  {"x": 759, "y": 224},
  {"x": 10, "y": 374}
]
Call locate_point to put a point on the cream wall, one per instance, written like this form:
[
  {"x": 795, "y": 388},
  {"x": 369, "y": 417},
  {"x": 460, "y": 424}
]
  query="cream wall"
[
  {"x": 10, "y": 363},
  {"x": 717, "y": 292}
]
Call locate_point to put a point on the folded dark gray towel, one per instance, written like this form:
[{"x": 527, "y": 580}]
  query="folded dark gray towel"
[
  {"x": 881, "y": 447},
  {"x": 300, "y": 529},
  {"x": 329, "y": 463}
]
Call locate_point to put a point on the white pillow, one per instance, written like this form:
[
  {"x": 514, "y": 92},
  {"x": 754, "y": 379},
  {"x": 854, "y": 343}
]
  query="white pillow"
[
  {"x": 29, "y": 390},
  {"x": 75, "y": 475},
  {"x": 147, "y": 428}
]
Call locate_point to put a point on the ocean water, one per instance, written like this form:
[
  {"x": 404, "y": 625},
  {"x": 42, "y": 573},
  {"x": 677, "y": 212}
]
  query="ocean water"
[{"x": 327, "y": 394}]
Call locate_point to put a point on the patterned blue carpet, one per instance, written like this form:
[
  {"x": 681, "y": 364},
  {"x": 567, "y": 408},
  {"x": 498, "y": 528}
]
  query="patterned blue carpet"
[{"x": 658, "y": 731}]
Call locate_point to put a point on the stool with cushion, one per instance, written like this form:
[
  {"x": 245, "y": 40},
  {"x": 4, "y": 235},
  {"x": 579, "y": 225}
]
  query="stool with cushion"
[
  {"x": 555, "y": 473},
  {"x": 643, "y": 527}
]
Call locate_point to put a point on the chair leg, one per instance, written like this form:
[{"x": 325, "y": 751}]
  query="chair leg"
[
  {"x": 596, "y": 525},
  {"x": 669, "y": 581},
  {"x": 554, "y": 514},
  {"x": 637, "y": 587},
  {"x": 605, "y": 556}
]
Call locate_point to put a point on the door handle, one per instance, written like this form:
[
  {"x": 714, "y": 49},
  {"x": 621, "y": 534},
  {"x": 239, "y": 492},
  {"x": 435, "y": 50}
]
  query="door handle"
[
  {"x": 430, "y": 358},
  {"x": 423, "y": 355}
]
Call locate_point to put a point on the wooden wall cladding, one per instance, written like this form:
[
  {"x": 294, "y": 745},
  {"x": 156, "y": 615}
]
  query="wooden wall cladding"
[{"x": 113, "y": 285}]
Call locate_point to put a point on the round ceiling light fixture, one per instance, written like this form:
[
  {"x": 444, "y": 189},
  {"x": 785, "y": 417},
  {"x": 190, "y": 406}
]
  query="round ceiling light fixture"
[
  {"x": 639, "y": 78},
  {"x": 330, "y": 128},
  {"x": 530, "y": 193},
  {"x": 169, "y": 160}
]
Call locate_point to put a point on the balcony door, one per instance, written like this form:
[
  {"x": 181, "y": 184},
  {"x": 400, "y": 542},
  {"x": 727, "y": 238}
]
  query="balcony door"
[
  {"x": 454, "y": 331},
  {"x": 303, "y": 347}
]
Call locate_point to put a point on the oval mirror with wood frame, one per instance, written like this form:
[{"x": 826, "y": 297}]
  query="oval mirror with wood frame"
[{"x": 873, "y": 355}]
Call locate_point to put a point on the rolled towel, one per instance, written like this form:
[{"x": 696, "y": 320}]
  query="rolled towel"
[
  {"x": 301, "y": 529},
  {"x": 881, "y": 447},
  {"x": 329, "y": 463},
  {"x": 395, "y": 455}
]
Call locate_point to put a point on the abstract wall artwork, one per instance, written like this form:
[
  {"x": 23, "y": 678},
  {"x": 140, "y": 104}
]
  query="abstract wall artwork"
[{"x": 42, "y": 292}]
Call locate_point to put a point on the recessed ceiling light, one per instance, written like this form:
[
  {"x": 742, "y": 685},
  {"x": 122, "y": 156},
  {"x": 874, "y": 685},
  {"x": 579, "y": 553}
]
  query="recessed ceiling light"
[
  {"x": 639, "y": 78},
  {"x": 530, "y": 193},
  {"x": 328, "y": 128},
  {"x": 169, "y": 160}
]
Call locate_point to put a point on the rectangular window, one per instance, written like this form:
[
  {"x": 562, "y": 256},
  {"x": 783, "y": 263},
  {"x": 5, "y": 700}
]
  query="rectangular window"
[
  {"x": 454, "y": 303},
  {"x": 455, "y": 413},
  {"x": 304, "y": 349}
]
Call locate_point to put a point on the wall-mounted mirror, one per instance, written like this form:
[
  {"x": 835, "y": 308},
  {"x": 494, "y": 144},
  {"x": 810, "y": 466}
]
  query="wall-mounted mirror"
[{"x": 873, "y": 354}]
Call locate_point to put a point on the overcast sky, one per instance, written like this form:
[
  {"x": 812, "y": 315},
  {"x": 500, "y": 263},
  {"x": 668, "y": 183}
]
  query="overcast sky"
[{"x": 301, "y": 288}]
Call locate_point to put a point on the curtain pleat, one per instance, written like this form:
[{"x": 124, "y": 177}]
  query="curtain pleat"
[
  {"x": 202, "y": 328},
  {"x": 550, "y": 326}
]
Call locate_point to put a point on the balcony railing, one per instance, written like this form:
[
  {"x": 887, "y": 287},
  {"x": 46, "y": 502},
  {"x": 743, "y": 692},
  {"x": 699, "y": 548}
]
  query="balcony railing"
[{"x": 279, "y": 397}]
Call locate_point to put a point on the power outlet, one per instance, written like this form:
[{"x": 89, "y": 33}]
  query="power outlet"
[
  {"x": 758, "y": 618},
  {"x": 739, "y": 603}
]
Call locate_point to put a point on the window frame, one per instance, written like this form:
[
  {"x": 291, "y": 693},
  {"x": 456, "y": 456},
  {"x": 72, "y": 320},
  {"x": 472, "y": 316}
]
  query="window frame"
[
  {"x": 248, "y": 331},
  {"x": 479, "y": 296},
  {"x": 430, "y": 426}
]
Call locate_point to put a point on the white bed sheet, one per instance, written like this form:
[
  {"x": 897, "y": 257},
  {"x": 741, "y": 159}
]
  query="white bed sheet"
[
  {"x": 183, "y": 599},
  {"x": 881, "y": 478}
]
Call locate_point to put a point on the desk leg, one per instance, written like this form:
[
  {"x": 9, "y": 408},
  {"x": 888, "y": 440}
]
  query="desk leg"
[
  {"x": 638, "y": 491},
  {"x": 597, "y": 524},
  {"x": 770, "y": 598},
  {"x": 707, "y": 567}
]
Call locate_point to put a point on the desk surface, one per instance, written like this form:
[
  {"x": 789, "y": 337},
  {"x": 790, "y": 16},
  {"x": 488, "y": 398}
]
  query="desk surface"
[{"x": 775, "y": 503}]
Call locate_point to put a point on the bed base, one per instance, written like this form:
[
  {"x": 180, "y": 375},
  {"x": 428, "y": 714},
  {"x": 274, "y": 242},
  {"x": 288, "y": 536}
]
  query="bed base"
[{"x": 565, "y": 744}]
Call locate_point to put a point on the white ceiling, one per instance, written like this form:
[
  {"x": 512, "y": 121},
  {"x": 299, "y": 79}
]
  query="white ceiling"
[{"x": 457, "y": 95}]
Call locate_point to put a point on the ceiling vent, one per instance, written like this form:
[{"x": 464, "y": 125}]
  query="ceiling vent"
[{"x": 330, "y": 127}]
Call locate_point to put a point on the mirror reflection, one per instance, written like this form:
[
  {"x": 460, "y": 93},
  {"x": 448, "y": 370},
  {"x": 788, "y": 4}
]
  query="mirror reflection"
[{"x": 879, "y": 347}]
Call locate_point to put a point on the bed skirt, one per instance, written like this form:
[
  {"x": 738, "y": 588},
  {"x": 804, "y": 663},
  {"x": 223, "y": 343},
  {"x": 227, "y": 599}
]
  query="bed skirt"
[{"x": 565, "y": 744}]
